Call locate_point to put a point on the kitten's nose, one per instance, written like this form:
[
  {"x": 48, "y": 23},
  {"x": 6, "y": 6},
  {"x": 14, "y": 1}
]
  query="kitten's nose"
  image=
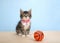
[{"x": 25, "y": 16}]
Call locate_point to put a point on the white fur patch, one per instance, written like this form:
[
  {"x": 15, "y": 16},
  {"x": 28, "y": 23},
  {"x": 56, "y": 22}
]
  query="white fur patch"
[{"x": 26, "y": 25}]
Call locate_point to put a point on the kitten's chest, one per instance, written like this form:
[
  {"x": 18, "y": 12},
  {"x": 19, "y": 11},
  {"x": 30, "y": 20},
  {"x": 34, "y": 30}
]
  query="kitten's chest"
[{"x": 26, "y": 24}]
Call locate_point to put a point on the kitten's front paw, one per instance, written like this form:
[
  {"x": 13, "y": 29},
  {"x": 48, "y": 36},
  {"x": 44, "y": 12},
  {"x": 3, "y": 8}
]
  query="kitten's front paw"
[{"x": 20, "y": 34}]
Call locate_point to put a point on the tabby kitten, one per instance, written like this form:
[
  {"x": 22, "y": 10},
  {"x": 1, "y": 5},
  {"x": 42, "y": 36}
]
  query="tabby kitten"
[{"x": 23, "y": 26}]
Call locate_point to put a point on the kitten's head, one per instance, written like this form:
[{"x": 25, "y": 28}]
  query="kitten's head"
[{"x": 25, "y": 14}]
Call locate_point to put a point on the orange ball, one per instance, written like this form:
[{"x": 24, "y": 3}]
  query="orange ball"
[{"x": 38, "y": 35}]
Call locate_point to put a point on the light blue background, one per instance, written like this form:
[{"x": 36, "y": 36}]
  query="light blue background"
[{"x": 45, "y": 14}]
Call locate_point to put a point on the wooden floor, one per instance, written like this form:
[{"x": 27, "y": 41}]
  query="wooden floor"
[{"x": 11, "y": 37}]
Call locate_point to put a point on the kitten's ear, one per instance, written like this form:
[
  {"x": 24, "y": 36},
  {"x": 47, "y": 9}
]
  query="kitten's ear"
[
  {"x": 21, "y": 11},
  {"x": 29, "y": 11}
]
